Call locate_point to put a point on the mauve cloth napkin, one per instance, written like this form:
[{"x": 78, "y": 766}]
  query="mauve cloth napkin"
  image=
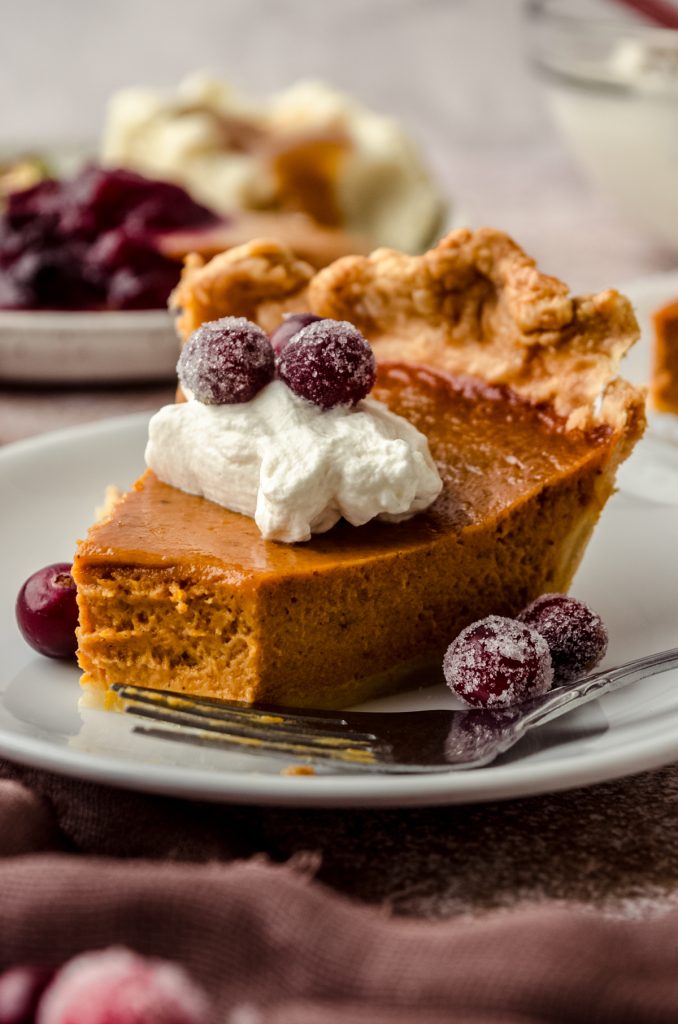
[{"x": 273, "y": 946}]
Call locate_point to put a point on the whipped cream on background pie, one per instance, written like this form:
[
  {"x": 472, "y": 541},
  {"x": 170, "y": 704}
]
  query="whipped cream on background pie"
[{"x": 307, "y": 148}]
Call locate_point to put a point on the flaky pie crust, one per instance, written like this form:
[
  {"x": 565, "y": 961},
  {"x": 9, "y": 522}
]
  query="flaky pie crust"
[{"x": 475, "y": 304}]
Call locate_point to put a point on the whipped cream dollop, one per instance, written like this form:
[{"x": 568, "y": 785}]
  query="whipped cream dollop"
[{"x": 293, "y": 467}]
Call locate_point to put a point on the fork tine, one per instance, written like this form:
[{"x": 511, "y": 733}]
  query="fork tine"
[
  {"x": 268, "y": 714},
  {"x": 344, "y": 761},
  {"x": 245, "y": 728},
  {"x": 261, "y": 735},
  {"x": 303, "y": 747}
]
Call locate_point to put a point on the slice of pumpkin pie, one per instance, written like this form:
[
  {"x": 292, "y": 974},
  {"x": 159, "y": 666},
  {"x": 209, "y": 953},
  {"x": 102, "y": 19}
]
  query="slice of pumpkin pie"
[{"x": 511, "y": 387}]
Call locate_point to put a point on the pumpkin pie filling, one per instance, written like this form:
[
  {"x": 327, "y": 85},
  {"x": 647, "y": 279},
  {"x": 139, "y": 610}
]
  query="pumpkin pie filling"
[
  {"x": 664, "y": 382},
  {"x": 179, "y": 593}
]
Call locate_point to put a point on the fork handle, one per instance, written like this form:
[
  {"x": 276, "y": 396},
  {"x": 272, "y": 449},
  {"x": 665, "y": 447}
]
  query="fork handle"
[{"x": 566, "y": 698}]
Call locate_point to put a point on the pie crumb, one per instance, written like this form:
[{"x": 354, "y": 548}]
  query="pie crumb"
[{"x": 298, "y": 769}]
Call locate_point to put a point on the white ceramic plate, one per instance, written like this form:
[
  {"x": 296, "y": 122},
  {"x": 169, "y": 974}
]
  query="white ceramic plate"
[{"x": 50, "y": 487}]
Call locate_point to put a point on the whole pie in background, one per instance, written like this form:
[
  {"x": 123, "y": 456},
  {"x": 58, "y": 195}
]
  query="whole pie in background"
[{"x": 308, "y": 149}]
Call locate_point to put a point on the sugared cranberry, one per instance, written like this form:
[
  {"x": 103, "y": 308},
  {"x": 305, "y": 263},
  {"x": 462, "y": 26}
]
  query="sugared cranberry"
[
  {"x": 291, "y": 325},
  {"x": 116, "y": 986},
  {"x": 329, "y": 363},
  {"x": 226, "y": 361},
  {"x": 498, "y": 662},
  {"x": 474, "y": 732},
  {"x": 576, "y": 635},
  {"x": 20, "y": 991},
  {"x": 47, "y": 612}
]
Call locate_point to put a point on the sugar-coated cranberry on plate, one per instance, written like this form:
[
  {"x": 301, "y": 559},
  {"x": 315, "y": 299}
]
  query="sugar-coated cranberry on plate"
[
  {"x": 117, "y": 986},
  {"x": 498, "y": 662},
  {"x": 226, "y": 361},
  {"x": 47, "y": 611},
  {"x": 291, "y": 325},
  {"x": 576, "y": 635},
  {"x": 329, "y": 363}
]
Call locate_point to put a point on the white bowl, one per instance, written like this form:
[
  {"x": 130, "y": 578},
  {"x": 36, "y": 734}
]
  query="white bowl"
[{"x": 57, "y": 347}]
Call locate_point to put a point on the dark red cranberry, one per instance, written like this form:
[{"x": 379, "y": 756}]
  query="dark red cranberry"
[
  {"x": 39, "y": 200},
  {"x": 576, "y": 635},
  {"x": 47, "y": 612},
  {"x": 329, "y": 363},
  {"x": 50, "y": 273},
  {"x": 498, "y": 662},
  {"x": 291, "y": 325},
  {"x": 14, "y": 294},
  {"x": 226, "y": 361},
  {"x": 116, "y": 248},
  {"x": 130, "y": 290},
  {"x": 20, "y": 992},
  {"x": 476, "y": 731},
  {"x": 102, "y": 198}
]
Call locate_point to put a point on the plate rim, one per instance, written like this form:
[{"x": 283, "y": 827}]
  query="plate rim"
[
  {"x": 428, "y": 789},
  {"x": 60, "y": 319}
]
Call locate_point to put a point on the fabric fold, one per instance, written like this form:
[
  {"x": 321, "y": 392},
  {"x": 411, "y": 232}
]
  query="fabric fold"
[{"x": 265, "y": 937}]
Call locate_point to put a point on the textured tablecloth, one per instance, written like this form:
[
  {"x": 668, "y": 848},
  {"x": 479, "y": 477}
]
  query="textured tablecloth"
[
  {"x": 612, "y": 848},
  {"x": 268, "y": 944}
]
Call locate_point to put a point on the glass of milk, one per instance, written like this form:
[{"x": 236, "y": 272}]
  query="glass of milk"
[{"x": 612, "y": 82}]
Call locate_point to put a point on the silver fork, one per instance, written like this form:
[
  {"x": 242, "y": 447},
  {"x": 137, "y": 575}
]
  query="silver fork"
[{"x": 368, "y": 741}]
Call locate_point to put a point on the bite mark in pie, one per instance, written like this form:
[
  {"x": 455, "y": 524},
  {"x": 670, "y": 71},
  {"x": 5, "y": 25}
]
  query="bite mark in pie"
[{"x": 514, "y": 383}]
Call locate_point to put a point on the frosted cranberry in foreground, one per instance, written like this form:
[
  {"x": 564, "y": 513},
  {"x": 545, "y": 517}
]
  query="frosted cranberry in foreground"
[
  {"x": 47, "y": 611},
  {"x": 20, "y": 991},
  {"x": 117, "y": 986},
  {"x": 291, "y": 325},
  {"x": 576, "y": 635},
  {"x": 226, "y": 361},
  {"x": 498, "y": 662},
  {"x": 328, "y": 363}
]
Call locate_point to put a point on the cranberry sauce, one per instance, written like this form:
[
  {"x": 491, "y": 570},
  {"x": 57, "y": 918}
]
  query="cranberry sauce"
[{"x": 89, "y": 242}]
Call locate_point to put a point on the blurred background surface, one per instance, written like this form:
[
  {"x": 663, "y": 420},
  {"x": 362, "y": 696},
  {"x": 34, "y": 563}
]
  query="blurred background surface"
[
  {"x": 454, "y": 71},
  {"x": 443, "y": 65}
]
